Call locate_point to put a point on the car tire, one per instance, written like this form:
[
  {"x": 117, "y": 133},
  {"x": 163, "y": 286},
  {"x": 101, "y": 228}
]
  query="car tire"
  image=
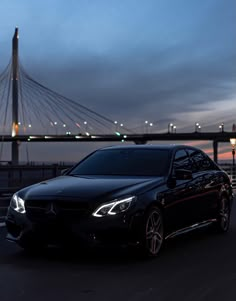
[
  {"x": 223, "y": 220},
  {"x": 152, "y": 232}
]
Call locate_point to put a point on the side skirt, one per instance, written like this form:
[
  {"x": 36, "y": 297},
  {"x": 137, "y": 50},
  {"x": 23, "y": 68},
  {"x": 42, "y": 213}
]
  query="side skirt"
[{"x": 191, "y": 228}]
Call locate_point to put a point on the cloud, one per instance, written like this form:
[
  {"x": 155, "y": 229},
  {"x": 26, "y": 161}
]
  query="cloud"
[
  {"x": 157, "y": 86},
  {"x": 160, "y": 61}
]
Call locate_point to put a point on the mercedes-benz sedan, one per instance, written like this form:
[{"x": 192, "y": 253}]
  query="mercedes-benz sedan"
[{"x": 135, "y": 195}]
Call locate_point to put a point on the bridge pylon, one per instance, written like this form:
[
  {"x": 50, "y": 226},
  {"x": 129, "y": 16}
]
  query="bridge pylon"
[{"x": 15, "y": 78}]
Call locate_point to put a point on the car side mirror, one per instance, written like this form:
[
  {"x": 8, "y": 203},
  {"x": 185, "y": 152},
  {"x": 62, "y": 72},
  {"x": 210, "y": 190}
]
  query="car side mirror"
[{"x": 183, "y": 174}]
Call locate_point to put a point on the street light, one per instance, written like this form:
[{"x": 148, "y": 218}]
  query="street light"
[
  {"x": 146, "y": 126},
  {"x": 116, "y": 125},
  {"x": 55, "y": 123},
  {"x": 151, "y": 125},
  {"x": 197, "y": 127},
  {"x": 86, "y": 126},
  {"x": 170, "y": 128},
  {"x": 221, "y": 127},
  {"x": 233, "y": 143}
]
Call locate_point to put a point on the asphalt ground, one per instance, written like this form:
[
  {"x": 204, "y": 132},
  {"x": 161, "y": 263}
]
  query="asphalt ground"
[
  {"x": 195, "y": 267},
  {"x": 4, "y": 202}
]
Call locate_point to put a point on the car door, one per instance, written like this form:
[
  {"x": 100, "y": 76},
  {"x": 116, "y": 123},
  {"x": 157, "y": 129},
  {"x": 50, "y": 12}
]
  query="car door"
[
  {"x": 180, "y": 198},
  {"x": 207, "y": 184}
]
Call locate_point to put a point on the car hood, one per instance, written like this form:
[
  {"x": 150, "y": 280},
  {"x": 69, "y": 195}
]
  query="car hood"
[{"x": 90, "y": 187}]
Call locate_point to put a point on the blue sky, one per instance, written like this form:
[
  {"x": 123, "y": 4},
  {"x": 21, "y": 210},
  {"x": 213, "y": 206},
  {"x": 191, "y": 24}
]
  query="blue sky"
[{"x": 131, "y": 60}]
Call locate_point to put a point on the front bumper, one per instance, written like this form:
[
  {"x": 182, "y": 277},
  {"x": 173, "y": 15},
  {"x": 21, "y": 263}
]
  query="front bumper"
[{"x": 120, "y": 229}]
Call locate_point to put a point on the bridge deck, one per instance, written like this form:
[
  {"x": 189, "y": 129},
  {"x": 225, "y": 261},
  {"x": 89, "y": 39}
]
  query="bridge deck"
[{"x": 137, "y": 138}]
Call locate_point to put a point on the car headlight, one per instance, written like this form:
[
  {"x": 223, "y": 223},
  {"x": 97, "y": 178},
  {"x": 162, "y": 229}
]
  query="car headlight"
[
  {"x": 17, "y": 203},
  {"x": 115, "y": 207}
]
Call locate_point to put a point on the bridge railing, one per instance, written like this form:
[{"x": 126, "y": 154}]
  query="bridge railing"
[
  {"x": 231, "y": 171},
  {"x": 14, "y": 177}
]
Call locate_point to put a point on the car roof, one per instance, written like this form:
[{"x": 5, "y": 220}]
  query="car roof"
[{"x": 150, "y": 146}]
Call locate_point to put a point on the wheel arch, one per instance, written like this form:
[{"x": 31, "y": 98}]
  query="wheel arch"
[{"x": 157, "y": 204}]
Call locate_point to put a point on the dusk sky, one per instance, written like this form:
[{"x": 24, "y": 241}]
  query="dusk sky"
[{"x": 156, "y": 60}]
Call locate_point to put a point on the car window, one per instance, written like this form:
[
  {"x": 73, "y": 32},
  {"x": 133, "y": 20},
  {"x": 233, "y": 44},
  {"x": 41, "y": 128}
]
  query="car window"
[
  {"x": 181, "y": 160},
  {"x": 145, "y": 162},
  {"x": 200, "y": 161}
]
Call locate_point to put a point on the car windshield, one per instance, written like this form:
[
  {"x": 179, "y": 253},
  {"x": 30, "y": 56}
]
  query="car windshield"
[{"x": 125, "y": 162}]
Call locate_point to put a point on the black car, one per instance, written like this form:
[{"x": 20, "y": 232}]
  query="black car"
[{"x": 137, "y": 195}]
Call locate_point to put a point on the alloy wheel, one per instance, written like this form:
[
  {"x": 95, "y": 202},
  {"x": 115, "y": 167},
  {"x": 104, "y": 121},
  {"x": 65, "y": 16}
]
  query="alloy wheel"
[
  {"x": 154, "y": 232},
  {"x": 224, "y": 214}
]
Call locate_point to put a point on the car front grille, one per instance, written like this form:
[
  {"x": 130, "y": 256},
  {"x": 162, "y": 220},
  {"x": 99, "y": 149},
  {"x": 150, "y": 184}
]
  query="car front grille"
[{"x": 39, "y": 210}]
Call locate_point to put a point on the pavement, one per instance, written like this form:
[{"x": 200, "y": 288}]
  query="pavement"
[{"x": 4, "y": 203}]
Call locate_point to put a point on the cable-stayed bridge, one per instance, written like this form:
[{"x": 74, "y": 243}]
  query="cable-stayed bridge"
[{"x": 27, "y": 104}]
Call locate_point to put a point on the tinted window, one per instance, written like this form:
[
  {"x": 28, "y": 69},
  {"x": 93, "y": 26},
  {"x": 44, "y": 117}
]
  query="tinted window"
[
  {"x": 181, "y": 160},
  {"x": 200, "y": 161},
  {"x": 147, "y": 162}
]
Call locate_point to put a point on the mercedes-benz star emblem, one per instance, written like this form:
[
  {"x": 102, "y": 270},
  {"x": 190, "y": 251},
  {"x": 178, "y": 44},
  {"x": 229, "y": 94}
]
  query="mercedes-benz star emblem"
[{"x": 51, "y": 210}]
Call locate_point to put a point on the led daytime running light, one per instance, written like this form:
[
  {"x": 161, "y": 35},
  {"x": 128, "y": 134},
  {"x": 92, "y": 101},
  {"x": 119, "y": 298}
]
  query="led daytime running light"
[
  {"x": 111, "y": 206},
  {"x": 18, "y": 204}
]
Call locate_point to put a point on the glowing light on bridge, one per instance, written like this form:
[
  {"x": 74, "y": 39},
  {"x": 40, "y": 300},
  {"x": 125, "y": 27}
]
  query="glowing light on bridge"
[{"x": 15, "y": 130}]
